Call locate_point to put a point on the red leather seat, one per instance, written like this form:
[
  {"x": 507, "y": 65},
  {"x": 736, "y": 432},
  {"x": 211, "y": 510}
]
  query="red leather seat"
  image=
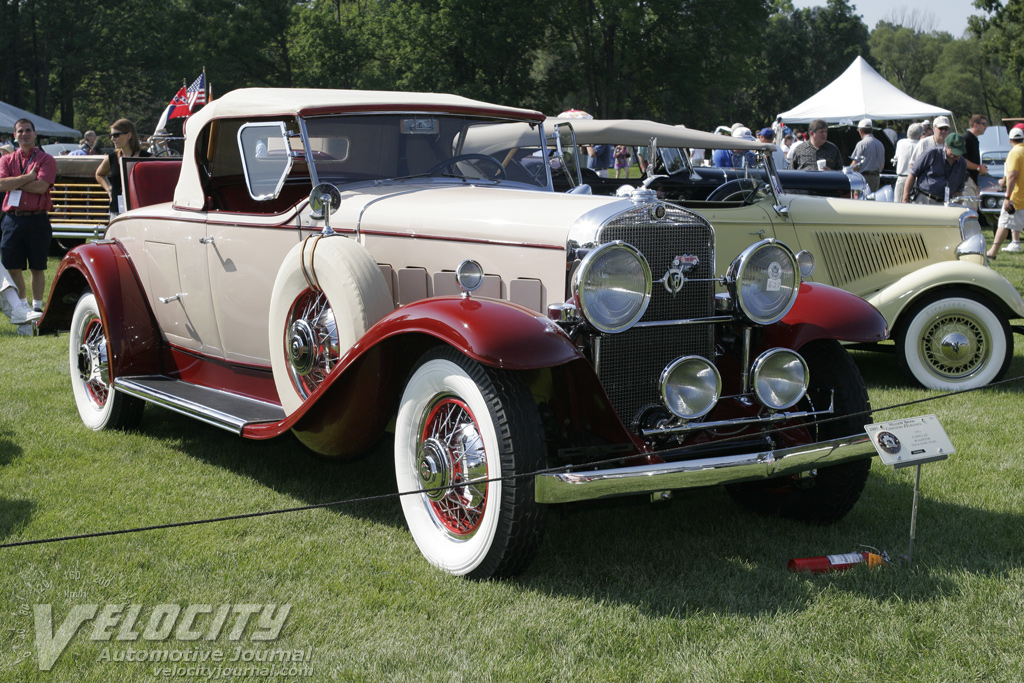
[{"x": 152, "y": 182}]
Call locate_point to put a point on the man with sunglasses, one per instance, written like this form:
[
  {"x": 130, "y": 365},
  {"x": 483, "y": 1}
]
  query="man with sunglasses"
[{"x": 26, "y": 176}]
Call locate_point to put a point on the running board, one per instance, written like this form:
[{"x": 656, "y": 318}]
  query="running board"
[{"x": 212, "y": 406}]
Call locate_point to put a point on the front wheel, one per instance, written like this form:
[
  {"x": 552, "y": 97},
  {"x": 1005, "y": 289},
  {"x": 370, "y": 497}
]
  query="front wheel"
[
  {"x": 99, "y": 405},
  {"x": 954, "y": 340},
  {"x": 824, "y": 496},
  {"x": 464, "y": 432}
]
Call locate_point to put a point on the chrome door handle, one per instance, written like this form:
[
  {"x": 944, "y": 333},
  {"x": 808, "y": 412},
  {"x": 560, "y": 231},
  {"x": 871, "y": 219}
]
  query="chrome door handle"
[
  {"x": 205, "y": 240},
  {"x": 169, "y": 299}
]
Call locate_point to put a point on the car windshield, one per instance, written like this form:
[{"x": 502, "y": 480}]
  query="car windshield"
[
  {"x": 745, "y": 176},
  {"x": 381, "y": 148}
]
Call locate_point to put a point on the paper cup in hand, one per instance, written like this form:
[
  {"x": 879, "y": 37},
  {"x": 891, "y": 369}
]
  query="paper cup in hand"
[{"x": 821, "y": 164}]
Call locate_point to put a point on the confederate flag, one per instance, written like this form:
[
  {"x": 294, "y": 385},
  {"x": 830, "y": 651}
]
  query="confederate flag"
[{"x": 186, "y": 99}]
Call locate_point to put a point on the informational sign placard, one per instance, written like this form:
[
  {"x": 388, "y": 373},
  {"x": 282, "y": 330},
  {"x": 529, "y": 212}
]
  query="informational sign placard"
[{"x": 910, "y": 441}]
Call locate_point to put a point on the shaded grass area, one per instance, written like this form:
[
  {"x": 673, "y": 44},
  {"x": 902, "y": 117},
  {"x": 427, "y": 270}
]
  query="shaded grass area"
[{"x": 695, "y": 589}]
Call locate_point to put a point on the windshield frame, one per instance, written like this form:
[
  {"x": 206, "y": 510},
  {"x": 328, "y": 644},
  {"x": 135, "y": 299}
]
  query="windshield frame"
[{"x": 437, "y": 136}]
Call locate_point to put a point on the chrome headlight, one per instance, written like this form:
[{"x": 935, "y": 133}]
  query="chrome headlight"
[
  {"x": 764, "y": 280},
  {"x": 780, "y": 378},
  {"x": 690, "y": 387},
  {"x": 612, "y": 287}
]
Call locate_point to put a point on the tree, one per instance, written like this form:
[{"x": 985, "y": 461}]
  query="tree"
[
  {"x": 905, "y": 56},
  {"x": 803, "y": 51},
  {"x": 1004, "y": 40}
]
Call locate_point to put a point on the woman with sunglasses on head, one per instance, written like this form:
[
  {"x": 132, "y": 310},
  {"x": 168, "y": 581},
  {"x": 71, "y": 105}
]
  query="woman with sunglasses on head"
[{"x": 126, "y": 144}]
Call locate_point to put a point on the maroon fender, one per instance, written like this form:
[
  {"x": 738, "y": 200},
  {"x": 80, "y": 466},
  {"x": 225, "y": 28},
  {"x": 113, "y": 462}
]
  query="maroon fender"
[
  {"x": 825, "y": 312},
  {"x": 496, "y": 333},
  {"x": 104, "y": 268}
]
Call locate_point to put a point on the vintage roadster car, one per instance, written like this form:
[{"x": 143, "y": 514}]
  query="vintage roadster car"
[
  {"x": 327, "y": 261},
  {"x": 923, "y": 267},
  {"x": 675, "y": 171}
]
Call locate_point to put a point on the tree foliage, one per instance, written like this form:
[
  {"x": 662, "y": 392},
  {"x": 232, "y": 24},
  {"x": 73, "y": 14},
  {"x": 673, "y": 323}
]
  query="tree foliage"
[{"x": 680, "y": 61}]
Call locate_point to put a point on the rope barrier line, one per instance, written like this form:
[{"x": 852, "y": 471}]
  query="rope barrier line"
[{"x": 399, "y": 494}]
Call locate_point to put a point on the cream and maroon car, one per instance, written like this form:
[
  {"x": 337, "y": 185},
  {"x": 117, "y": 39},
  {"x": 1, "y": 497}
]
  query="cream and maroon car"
[
  {"x": 323, "y": 262},
  {"x": 923, "y": 267}
]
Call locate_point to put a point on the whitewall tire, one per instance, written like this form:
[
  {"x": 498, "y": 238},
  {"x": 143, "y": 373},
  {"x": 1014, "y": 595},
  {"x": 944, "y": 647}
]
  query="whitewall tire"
[
  {"x": 460, "y": 422},
  {"x": 99, "y": 405},
  {"x": 954, "y": 340}
]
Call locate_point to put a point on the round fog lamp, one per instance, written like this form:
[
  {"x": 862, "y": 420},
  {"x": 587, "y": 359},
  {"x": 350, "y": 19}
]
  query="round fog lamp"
[
  {"x": 780, "y": 378},
  {"x": 690, "y": 387}
]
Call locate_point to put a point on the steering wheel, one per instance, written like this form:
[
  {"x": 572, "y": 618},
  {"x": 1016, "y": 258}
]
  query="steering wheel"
[
  {"x": 500, "y": 175},
  {"x": 739, "y": 189}
]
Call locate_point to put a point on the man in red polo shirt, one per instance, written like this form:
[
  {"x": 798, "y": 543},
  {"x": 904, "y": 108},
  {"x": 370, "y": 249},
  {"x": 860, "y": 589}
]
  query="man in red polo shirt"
[{"x": 26, "y": 176}]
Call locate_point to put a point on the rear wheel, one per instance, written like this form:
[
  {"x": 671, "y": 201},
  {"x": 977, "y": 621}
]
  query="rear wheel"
[
  {"x": 463, "y": 432},
  {"x": 99, "y": 405},
  {"x": 827, "y": 494}
]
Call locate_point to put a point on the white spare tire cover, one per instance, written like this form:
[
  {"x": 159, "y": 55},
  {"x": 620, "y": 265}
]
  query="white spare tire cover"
[{"x": 354, "y": 286}]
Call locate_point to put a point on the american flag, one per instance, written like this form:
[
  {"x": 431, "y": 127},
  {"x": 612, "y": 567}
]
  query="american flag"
[
  {"x": 186, "y": 99},
  {"x": 197, "y": 91}
]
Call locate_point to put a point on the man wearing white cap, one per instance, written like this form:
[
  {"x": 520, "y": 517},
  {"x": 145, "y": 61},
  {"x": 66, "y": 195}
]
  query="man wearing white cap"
[
  {"x": 868, "y": 155},
  {"x": 940, "y": 129},
  {"x": 1010, "y": 218}
]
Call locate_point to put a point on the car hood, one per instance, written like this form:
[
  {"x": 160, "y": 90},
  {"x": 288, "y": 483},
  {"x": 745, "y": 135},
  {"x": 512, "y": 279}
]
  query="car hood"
[
  {"x": 470, "y": 212},
  {"x": 854, "y": 212}
]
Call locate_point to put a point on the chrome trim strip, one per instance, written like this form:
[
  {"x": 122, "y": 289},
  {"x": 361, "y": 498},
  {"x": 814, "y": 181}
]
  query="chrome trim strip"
[
  {"x": 690, "y": 321},
  {"x": 565, "y": 487}
]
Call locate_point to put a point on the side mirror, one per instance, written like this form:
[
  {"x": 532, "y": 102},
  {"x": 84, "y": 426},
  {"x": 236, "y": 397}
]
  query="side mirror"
[{"x": 324, "y": 201}]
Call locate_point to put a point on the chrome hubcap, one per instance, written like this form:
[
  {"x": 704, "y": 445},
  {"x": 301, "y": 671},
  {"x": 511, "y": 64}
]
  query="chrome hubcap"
[
  {"x": 93, "y": 364},
  {"x": 435, "y": 468},
  {"x": 311, "y": 345},
  {"x": 301, "y": 347},
  {"x": 954, "y": 346}
]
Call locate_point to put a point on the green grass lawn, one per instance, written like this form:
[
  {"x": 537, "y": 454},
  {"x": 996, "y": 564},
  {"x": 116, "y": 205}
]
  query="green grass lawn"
[{"x": 695, "y": 590}]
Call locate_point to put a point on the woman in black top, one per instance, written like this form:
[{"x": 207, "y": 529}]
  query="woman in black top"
[{"x": 126, "y": 144}]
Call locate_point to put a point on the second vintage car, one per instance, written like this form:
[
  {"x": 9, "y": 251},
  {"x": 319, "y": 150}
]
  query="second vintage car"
[
  {"x": 324, "y": 262},
  {"x": 923, "y": 267}
]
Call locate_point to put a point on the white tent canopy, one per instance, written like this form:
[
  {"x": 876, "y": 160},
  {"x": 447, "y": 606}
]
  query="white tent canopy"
[
  {"x": 9, "y": 115},
  {"x": 860, "y": 92}
]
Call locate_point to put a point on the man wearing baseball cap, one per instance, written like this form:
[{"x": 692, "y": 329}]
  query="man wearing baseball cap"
[
  {"x": 1010, "y": 217},
  {"x": 939, "y": 174},
  {"x": 868, "y": 155},
  {"x": 931, "y": 139}
]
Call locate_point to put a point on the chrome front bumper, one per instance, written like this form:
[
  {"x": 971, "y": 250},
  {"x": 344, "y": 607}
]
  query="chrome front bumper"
[{"x": 565, "y": 487}]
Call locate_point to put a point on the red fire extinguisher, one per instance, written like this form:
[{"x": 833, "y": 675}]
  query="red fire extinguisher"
[{"x": 838, "y": 563}]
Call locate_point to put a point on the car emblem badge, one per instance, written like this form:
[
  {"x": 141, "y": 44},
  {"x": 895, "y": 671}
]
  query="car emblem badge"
[{"x": 675, "y": 276}]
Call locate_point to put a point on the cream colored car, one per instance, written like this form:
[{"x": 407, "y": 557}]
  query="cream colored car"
[
  {"x": 326, "y": 262},
  {"x": 923, "y": 267}
]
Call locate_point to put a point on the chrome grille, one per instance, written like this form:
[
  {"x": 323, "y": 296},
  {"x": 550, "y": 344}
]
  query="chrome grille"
[
  {"x": 849, "y": 257},
  {"x": 631, "y": 362}
]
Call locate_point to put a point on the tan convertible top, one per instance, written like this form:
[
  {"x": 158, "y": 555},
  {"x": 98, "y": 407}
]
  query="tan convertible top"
[
  {"x": 280, "y": 102},
  {"x": 635, "y": 132}
]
